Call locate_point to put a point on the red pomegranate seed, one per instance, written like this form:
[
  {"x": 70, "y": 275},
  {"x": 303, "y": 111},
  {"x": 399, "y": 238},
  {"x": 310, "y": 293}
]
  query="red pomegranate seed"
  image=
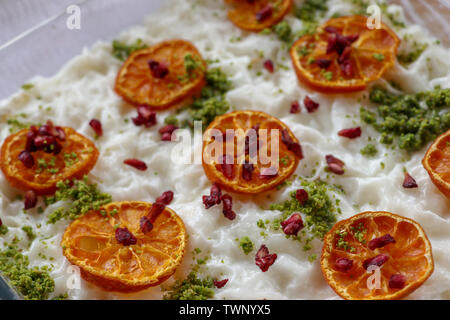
[
  {"x": 137, "y": 164},
  {"x": 97, "y": 127},
  {"x": 268, "y": 65},
  {"x": 295, "y": 107},
  {"x": 159, "y": 70},
  {"x": 379, "y": 260},
  {"x": 350, "y": 133},
  {"x": 330, "y": 29},
  {"x": 331, "y": 43},
  {"x": 343, "y": 264},
  {"x": 302, "y": 196},
  {"x": 292, "y": 225},
  {"x": 381, "y": 241},
  {"x": 334, "y": 164},
  {"x": 214, "y": 197},
  {"x": 310, "y": 104},
  {"x": 295, "y": 147},
  {"x": 247, "y": 170},
  {"x": 263, "y": 259},
  {"x": 125, "y": 237},
  {"x": 156, "y": 209},
  {"x": 268, "y": 173},
  {"x": 166, "y": 198},
  {"x": 409, "y": 182},
  {"x": 227, "y": 207},
  {"x": 29, "y": 146},
  {"x": 220, "y": 284},
  {"x": 30, "y": 199},
  {"x": 26, "y": 158},
  {"x": 146, "y": 225},
  {"x": 264, "y": 13},
  {"x": 146, "y": 116},
  {"x": 323, "y": 63},
  {"x": 227, "y": 166},
  {"x": 61, "y": 133},
  {"x": 397, "y": 281}
]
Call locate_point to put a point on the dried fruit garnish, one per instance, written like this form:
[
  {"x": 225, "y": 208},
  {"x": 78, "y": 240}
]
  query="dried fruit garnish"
[
  {"x": 145, "y": 224},
  {"x": 409, "y": 182},
  {"x": 96, "y": 125},
  {"x": 220, "y": 284},
  {"x": 214, "y": 197},
  {"x": 227, "y": 166},
  {"x": 228, "y": 207},
  {"x": 156, "y": 209},
  {"x": 323, "y": 63},
  {"x": 302, "y": 196},
  {"x": 166, "y": 198},
  {"x": 30, "y": 199},
  {"x": 26, "y": 158},
  {"x": 293, "y": 146},
  {"x": 146, "y": 116},
  {"x": 397, "y": 281},
  {"x": 293, "y": 224},
  {"x": 264, "y": 13},
  {"x": 125, "y": 237},
  {"x": 166, "y": 132},
  {"x": 334, "y": 164},
  {"x": 268, "y": 65},
  {"x": 247, "y": 169},
  {"x": 295, "y": 107},
  {"x": 380, "y": 242},
  {"x": 310, "y": 104},
  {"x": 159, "y": 70},
  {"x": 268, "y": 173},
  {"x": 343, "y": 264},
  {"x": 350, "y": 133},
  {"x": 263, "y": 259},
  {"x": 379, "y": 260},
  {"x": 137, "y": 164}
]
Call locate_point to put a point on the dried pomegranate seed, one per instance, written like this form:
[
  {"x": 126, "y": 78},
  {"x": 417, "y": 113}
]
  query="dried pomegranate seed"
[
  {"x": 295, "y": 107},
  {"x": 263, "y": 259},
  {"x": 61, "y": 133},
  {"x": 268, "y": 65},
  {"x": 125, "y": 237},
  {"x": 146, "y": 116},
  {"x": 302, "y": 196},
  {"x": 97, "y": 127},
  {"x": 137, "y": 164},
  {"x": 268, "y": 173},
  {"x": 166, "y": 198},
  {"x": 220, "y": 284},
  {"x": 381, "y": 241},
  {"x": 334, "y": 164},
  {"x": 29, "y": 146},
  {"x": 227, "y": 207},
  {"x": 264, "y": 13},
  {"x": 26, "y": 158},
  {"x": 159, "y": 70},
  {"x": 156, "y": 209},
  {"x": 343, "y": 264},
  {"x": 310, "y": 104},
  {"x": 323, "y": 63},
  {"x": 214, "y": 197},
  {"x": 30, "y": 199},
  {"x": 146, "y": 225},
  {"x": 295, "y": 147},
  {"x": 345, "y": 55},
  {"x": 331, "y": 43},
  {"x": 397, "y": 281},
  {"x": 247, "y": 169},
  {"x": 379, "y": 260},
  {"x": 292, "y": 225},
  {"x": 409, "y": 182},
  {"x": 227, "y": 166},
  {"x": 166, "y": 132},
  {"x": 350, "y": 133}
]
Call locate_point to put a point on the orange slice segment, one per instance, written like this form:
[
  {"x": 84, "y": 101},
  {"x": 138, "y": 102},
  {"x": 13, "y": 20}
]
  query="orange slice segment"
[
  {"x": 77, "y": 157},
  {"x": 437, "y": 163},
  {"x": 256, "y": 15},
  {"x": 137, "y": 84},
  {"x": 90, "y": 243},
  {"x": 408, "y": 258},
  {"x": 263, "y": 174},
  {"x": 369, "y": 56}
]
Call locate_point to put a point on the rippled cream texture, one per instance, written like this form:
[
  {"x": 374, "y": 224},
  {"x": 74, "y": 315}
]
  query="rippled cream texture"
[{"x": 84, "y": 90}]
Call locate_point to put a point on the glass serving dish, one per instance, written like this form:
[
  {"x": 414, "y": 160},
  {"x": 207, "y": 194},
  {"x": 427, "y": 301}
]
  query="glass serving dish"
[{"x": 35, "y": 38}]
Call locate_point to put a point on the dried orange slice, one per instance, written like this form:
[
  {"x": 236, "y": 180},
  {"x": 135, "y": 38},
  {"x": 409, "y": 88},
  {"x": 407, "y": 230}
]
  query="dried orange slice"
[
  {"x": 76, "y": 158},
  {"x": 158, "y": 77},
  {"x": 437, "y": 162},
  {"x": 249, "y": 166},
  {"x": 344, "y": 55},
  {"x": 256, "y": 15},
  {"x": 396, "y": 244},
  {"x": 90, "y": 243}
]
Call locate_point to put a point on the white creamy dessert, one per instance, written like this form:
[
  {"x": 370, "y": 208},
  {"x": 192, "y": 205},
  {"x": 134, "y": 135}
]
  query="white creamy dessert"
[{"x": 83, "y": 90}]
